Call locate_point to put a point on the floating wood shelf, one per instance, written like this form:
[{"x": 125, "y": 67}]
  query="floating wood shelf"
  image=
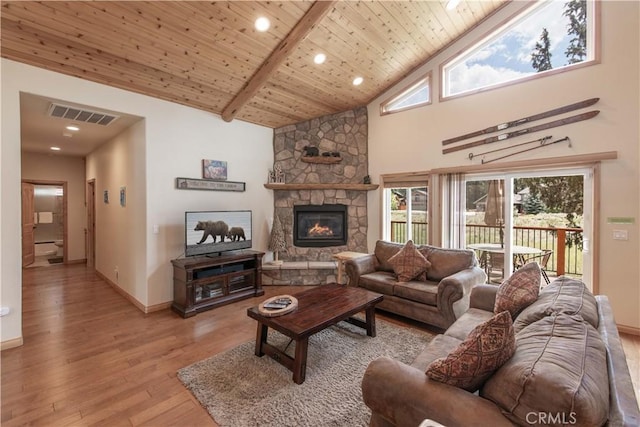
[
  {"x": 352, "y": 187},
  {"x": 325, "y": 160}
]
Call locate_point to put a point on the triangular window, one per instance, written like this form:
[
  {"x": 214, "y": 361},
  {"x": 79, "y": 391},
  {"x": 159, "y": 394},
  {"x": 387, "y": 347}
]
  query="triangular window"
[{"x": 416, "y": 95}]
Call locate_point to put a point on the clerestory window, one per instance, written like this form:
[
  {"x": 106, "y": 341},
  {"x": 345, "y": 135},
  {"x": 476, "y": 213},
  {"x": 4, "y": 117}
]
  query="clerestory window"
[
  {"x": 416, "y": 95},
  {"x": 547, "y": 38}
]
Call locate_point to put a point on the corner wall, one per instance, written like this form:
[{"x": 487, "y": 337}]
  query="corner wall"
[{"x": 411, "y": 140}]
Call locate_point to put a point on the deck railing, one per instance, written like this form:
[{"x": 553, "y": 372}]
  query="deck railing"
[{"x": 566, "y": 257}]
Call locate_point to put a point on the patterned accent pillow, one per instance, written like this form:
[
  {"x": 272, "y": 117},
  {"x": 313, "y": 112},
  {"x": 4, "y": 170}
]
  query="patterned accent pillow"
[
  {"x": 487, "y": 347},
  {"x": 518, "y": 291},
  {"x": 408, "y": 263}
]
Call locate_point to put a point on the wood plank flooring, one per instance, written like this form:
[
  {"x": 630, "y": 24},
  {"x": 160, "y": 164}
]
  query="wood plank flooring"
[{"x": 91, "y": 358}]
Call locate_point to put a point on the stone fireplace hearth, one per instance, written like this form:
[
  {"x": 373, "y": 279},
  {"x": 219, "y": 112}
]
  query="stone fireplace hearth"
[{"x": 308, "y": 183}]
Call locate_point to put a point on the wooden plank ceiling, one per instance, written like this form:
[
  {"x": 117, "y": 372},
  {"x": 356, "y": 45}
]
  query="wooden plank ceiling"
[{"x": 209, "y": 56}]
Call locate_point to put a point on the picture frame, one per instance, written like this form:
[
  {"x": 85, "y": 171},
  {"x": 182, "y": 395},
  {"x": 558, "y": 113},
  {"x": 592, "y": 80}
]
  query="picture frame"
[
  {"x": 105, "y": 196},
  {"x": 123, "y": 196},
  {"x": 207, "y": 184},
  {"x": 214, "y": 169}
]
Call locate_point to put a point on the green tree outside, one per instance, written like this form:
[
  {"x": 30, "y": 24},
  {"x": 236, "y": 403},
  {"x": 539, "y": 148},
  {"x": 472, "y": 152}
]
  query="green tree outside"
[{"x": 541, "y": 55}]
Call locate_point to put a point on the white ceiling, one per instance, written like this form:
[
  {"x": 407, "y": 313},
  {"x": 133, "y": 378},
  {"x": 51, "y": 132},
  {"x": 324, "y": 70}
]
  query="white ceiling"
[{"x": 39, "y": 132}]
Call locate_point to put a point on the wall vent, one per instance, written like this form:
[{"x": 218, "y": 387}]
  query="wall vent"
[{"x": 80, "y": 115}]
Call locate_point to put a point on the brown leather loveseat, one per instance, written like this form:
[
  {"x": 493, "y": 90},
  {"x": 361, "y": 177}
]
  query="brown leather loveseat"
[{"x": 439, "y": 300}]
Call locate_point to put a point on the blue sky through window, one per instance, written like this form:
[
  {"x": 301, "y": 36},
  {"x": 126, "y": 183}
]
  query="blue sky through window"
[{"x": 507, "y": 56}]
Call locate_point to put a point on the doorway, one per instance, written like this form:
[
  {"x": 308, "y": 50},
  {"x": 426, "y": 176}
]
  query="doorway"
[
  {"x": 44, "y": 219},
  {"x": 542, "y": 216}
]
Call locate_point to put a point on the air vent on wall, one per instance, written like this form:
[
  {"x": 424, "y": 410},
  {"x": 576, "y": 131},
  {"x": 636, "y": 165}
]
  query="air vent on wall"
[{"x": 80, "y": 115}]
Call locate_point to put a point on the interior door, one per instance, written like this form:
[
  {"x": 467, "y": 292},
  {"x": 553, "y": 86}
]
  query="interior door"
[{"x": 28, "y": 225}]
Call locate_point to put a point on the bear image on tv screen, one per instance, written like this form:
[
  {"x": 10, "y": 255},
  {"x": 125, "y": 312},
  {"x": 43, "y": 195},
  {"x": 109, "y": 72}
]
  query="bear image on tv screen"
[
  {"x": 236, "y": 233},
  {"x": 213, "y": 229}
]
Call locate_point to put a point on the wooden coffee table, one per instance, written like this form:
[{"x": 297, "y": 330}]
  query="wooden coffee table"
[{"x": 318, "y": 308}]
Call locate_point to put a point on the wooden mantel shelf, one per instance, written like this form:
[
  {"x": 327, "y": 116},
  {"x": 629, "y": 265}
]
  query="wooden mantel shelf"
[{"x": 352, "y": 187}]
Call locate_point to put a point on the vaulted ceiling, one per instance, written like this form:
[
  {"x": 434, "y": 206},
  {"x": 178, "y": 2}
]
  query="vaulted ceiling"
[{"x": 208, "y": 55}]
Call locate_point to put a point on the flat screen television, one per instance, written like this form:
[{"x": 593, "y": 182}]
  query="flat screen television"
[{"x": 214, "y": 232}]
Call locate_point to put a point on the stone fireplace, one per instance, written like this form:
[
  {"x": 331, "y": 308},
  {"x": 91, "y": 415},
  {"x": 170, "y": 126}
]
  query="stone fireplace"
[{"x": 313, "y": 183}]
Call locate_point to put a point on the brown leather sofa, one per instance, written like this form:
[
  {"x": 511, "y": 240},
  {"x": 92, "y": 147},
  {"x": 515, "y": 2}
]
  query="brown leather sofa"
[
  {"x": 439, "y": 300},
  {"x": 569, "y": 368}
]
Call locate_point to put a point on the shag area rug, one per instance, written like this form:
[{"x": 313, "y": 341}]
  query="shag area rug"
[{"x": 239, "y": 389}]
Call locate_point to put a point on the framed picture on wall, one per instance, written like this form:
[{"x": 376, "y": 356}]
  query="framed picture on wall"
[
  {"x": 214, "y": 169},
  {"x": 123, "y": 196},
  {"x": 105, "y": 196}
]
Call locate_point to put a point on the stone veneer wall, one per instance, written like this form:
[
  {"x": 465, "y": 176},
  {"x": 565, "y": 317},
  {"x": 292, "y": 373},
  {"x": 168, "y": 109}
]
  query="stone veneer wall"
[{"x": 346, "y": 133}]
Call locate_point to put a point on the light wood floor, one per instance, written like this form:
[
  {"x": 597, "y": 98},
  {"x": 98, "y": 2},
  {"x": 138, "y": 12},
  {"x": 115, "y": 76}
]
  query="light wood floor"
[{"x": 91, "y": 358}]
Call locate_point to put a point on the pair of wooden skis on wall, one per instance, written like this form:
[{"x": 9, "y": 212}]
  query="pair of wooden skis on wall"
[{"x": 507, "y": 125}]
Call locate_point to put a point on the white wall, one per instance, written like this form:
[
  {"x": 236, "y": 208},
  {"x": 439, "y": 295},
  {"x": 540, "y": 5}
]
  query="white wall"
[
  {"x": 177, "y": 138},
  {"x": 178, "y": 151},
  {"x": 52, "y": 167},
  {"x": 120, "y": 230},
  {"x": 411, "y": 140}
]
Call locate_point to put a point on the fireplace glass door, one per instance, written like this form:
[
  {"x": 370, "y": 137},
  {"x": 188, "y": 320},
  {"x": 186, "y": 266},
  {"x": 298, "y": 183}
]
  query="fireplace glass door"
[{"x": 320, "y": 225}]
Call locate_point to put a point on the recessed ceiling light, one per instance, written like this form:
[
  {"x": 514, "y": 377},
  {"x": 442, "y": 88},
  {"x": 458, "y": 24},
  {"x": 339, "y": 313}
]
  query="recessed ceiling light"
[
  {"x": 55, "y": 148},
  {"x": 358, "y": 81},
  {"x": 262, "y": 24},
  {"x": 73, "y": 128},
  {"x": 320, "y": 58},
  {"x": 451, "y": 4}
]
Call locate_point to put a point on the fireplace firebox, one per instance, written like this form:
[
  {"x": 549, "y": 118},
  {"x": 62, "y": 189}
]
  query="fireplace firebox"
[{"x": 319, "y": 225}]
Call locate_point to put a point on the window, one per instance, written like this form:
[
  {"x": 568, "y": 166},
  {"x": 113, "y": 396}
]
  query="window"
[
  {"x": 547, "y": 38},
  {"x": 416, "y": 95},
  {"x": 406, "y": 208}
]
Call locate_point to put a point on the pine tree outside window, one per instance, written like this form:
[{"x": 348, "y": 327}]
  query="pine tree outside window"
[{"x": 547, "y": 38}]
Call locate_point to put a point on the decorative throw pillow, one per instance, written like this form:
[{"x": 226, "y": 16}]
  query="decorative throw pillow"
[
  {"x": 519, "y": 290},
  {"x": 487, "y": 347},
  {"x": 408, "y": 263}
]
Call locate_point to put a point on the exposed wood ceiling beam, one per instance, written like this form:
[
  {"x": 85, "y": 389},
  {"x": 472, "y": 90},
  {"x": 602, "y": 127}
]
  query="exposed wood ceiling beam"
[{"x": 308, "y": 22}]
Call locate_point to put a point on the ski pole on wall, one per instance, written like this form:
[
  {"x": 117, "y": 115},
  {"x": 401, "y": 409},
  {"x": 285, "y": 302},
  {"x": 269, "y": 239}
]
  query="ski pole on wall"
[
  {"x": 505, "y": 136},
  {"x": 514, "y": 123},
  {"x": 543, "y": 144},
  {"x": 540, "y": 140}
]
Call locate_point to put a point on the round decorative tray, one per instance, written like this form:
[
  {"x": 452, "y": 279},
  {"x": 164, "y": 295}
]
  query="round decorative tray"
[{"x": 272, "y": 312}]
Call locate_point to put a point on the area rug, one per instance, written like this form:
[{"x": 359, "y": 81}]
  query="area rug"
[{"x": 239, "y": 389}]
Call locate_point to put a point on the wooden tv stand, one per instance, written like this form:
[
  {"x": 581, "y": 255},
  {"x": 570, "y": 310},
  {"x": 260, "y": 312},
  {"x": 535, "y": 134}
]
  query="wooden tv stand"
[{"x": 205, "y": 282}]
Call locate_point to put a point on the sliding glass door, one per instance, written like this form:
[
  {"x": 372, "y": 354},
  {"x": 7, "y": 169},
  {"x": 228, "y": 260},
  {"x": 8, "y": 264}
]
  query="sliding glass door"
[{"x": 535, "y": 216}]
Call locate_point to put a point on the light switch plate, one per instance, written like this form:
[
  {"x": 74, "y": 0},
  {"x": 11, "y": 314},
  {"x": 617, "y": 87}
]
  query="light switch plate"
[{"x": 620, "y": 235}]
